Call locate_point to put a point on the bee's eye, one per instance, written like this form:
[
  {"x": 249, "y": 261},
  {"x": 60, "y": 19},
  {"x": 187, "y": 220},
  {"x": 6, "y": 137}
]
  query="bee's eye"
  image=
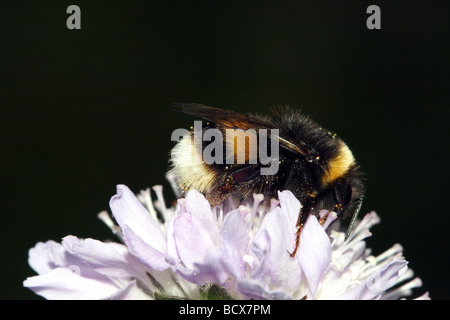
[{"x": 343, "y": 193}]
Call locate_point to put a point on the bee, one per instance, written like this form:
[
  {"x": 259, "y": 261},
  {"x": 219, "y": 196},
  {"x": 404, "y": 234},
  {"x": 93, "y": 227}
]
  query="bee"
[{"x": 313, "y": 163}]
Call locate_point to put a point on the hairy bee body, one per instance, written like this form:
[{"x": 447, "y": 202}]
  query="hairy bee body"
[{"x": 313, "y": 163}]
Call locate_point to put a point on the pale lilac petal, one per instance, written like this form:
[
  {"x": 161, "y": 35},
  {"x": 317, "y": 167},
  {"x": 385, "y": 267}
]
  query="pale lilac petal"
[
  {"x": 146, "y": 254},
  {"x": 256, "y": 286},
  {"x": 131, "y": 291},
  {"x": 197, "y": 240},
  {"x": 142, "y": 234},
  {"x": 170, "y": 235},
  {"x": 197, "y": 251},
  {"x": 254, "y": 290},
  {"x": 260, "y": 246},
  {"x": 285, "y": 271},
  {"x": 290, "y": 205},
  {"x": 280, "y": 225},
  {"x": 46, "y": 256},
  {"x": 210, "y": 270},
  {"x": 192, "y": 240},
  {"x": 377, "y": 282},
  {"x": 271, "y": 245},
  {"x": 235, "y": 240},
  {"x": 200, "y": 209},
  {"x": 403, "y": 290},
  {"x": 65, "y": 283},
  {"x": 129, "y": 211},
  {"x": 110, "y": 259},
  {"x": 425, "y": 296},
  {"x": 314, "y": 252}
]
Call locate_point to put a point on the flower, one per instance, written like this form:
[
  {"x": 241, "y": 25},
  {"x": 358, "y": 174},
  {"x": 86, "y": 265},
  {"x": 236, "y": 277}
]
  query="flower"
[{"x": 238, "y": 250}]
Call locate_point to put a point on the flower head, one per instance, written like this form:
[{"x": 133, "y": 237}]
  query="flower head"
[{"x": 237, "y": 250}]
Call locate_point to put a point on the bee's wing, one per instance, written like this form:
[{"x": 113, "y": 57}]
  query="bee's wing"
[
  {"x": 224, "y": 118},
  {"x": 232, "y": 120}
]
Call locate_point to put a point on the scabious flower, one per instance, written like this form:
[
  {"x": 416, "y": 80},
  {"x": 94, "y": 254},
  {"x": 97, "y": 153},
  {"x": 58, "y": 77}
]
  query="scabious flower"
[{"x": 238, "y": 250}]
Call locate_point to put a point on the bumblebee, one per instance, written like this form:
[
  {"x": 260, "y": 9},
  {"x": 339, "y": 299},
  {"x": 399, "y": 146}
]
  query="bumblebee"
[{"x": 314, "y": 164}]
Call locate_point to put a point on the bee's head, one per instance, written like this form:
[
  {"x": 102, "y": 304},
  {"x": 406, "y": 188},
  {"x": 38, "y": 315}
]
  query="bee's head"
[{"x": 344, "y": 196}]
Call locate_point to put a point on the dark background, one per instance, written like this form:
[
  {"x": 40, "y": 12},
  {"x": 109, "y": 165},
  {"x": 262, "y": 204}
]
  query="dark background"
[{"x": 84, "y": 110}]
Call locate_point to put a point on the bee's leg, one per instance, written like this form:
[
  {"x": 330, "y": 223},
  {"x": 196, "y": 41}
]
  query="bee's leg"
[
  {"x": 302, "y": 217},
  {"x": 297, "y": 240},
  {"x": 232, "y": 182},
  {"x": 219, "y": 194}
]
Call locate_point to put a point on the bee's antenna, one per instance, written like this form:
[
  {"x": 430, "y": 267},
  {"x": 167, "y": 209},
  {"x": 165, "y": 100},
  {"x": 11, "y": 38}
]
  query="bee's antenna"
[{"x": 354, "y": 216}]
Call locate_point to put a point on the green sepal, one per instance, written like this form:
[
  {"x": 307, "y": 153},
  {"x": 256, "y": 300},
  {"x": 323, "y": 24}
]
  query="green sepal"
[
  {"x": 161, "y": 296},
  {"x": 215, "y": 292}
]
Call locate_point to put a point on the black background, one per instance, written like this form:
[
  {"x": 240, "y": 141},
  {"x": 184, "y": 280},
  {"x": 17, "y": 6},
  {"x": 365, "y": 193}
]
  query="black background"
[{"x": 84, "y": 110}]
